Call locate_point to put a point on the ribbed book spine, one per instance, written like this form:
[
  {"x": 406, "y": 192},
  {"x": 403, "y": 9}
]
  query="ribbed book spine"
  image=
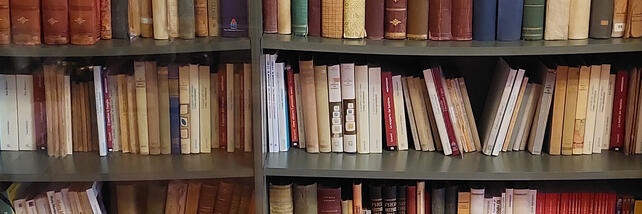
[
  {"x": 440, "y": 20},
  {"x": 533, "y": 21},
  {"x": 174, "y": 112},
  {"x": 332, "y": 18},
  {"x": 25, "y": 21},
  {"x": 354, "y": 19},
  {"x": 55, "y": 28},
  {"x": 5, "y": 22},
  {"x": 395, "y": 19},
  {"x": 186, "y": 19},
  {"x": 234, "y": 19},
  {"x": 300, "y": 17}
]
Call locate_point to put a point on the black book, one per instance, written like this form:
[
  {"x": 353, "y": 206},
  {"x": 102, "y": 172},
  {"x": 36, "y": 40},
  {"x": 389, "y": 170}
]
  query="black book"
[
  {"x": 401, "y": 199},
  {"x": 438, "y": 196},
  {"x": 451, "y": 200},
  {"x": 376, "y": 201},
  {"x": 120, "y": 19},
  {"x": 390, "y": 199}
]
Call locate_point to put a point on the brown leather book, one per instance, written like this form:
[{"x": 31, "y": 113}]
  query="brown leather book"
[
  {"x": 146, "y": 22},
  {"x": 236, "y": 199},
  {"x": 176, "y": 197},
  {"x": 634, "y": 19},
  {"x": 84, "y": 26},
  {"x": 200, "y": 15},
  {"x": 462, "y": 20},
  {"x": 417, "y": 19},
  {"x": 193, "y": 193},
  {"x": 440, "y": 20},
  {"x": 374, "y": 19},
  {"x": 5, "y": 23},
  {"x": 55, "y": 22},
  {"x": 133, "y": 13},
  {"x": 25, "y": 22},
  {"x": 314, "y": 17},
  {"x": 207, "y": 198},
  {"x": 395, "y": 19},
  {"x": 269, "y": 16},
  {"x": 332, "y": 18},
  {"x": 105, "y": 19},
  {"x": 153, "y": 122},
  {"x": 246, "y": 195},
  {"x": 224, "y": 198}
]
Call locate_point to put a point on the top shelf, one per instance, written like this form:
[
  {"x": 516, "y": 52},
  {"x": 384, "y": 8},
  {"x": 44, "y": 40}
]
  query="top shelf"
[
  {"x": 450, "y": 48},
  {"x": 118, "y": 47}
]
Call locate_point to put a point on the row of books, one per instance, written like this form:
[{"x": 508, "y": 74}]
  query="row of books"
[
  {"x": 220, "y": 196},
  {"x": 53, "y": 198},
  {"x": 504, "y": 20},
  {"x": 84, "y": 22},
  {"x": 422, "y": 197},
  {"x": 144, "y": 107}
]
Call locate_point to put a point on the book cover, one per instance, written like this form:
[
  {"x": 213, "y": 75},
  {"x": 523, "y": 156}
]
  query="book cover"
[
  {"x": 194, "y": 109},
  {"x": 9, "y": 121},
  {"x": 389, "y": 196},
  {"x": 105, "y": 19},
  {"x": 417, "y": 27},
  {"x": 25, "y": 114},
  {"x": 374, "y": 19},
  {"x": 601, "y": 19},
  {"x": 228, "y": 69},
  {"x": 314, "y": 17},
  {"x": 538, "y": 129},
  {"x": 361, "y": 99},
  {"x": 329, "y": 200},
  {"x": 533, "y": 20},
  {"x": 484, "y": 19},
  {"x": 25, "y": 21},
  {"x": 590, "y": 131},
  {"x": 214, "y": 106},
  {"x": 234, "y": 20},
  {"x": 174, "y": 109},
  {"x": 376, "y": 199},
  {"x": 284, "y": 20},
  {"x": 443, "y": 104},
  {"x": 172, "y": 19},
  {"x": 201, "y": 27},
  {"x": 120, "y": 19},
  {"x": 395, "y": 19},
  {"x": 281, "y": 199},
  {"x": 601, "y": 109},
  {"x": 100, "y": 107},
  {"x": 84, "y": 22},
  {"x": 388, "y": 111},
  {"x": 193, "y": 194},
  {"x": 186, "y": 19},
  {"x": 462, "y": 20},
  {"x": 422, "y": 101},
  {"x": 354, "y": 19},
  {"x": 619, "y": 17},
  {"x": 349, "y": 109},
  {"x": 146, "y": 21},
  {"x": 400, "y": 113},
  {"x": 164, "y": 121},
  {"x": 305, "y": 198},
  {"x": 332, "y": 18},
  {"x": 440, "y": 20},
  {"x": 410, "y": 113},
  {"x": 299, "y": 109},
  {"x": 496, "y": 103},
  {"x": 55, "y": 22},
  {"x": 609, "y": 111},
  {"x": 134, "y": 18},
  {"x": 115, "y": 112},
  {"x": 435, "y": 107},
  {"x": 557, "y": 119},
  {"x": 300, "y": 17},
  {"x": 270, "y": 16},
  {"x": 323, "y": 110},
  {"x": 509, "y": 19},
  {"x": 374, "y": 109},
  {"x": 336, "y": 113},
  {"x": 132, "y": 116},
  {"x": 469, "y": 112}
]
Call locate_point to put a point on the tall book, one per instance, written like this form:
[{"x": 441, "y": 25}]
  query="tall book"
[
  {"x": 172, "y": 18},
  {"x": 213, "y": 16},
  {"x": 463, "y": 202},
  {"x": 247, "y": 107},
  {"x": 601, "y": 21},
  {"x": 226, "y": 70},
  {"x": 411, "y": 113},
  {"x": 374, "y": 109},
  {"x": 9, "y": 120},
  {"x": 440, "y": 85},
  {"x": 300, "y": 17},
  {"x": 462, "y": 23},
  {"x": 283, "y": 140},
  {"x": 417, "y": 19},
  {"x": 540, "y": 121},
  {"x": 186, "y": 19},
  {"x": 579, "y": 19},
  {"x": 25, "y": 114},
  {"x": 631, "y": 110},
  {"x": 100, "y": 107},
  {"x": 375, "y": 19},
  {"x": 230, "y": 85},
  {"x": 55, "y": 22},
  {"x": 634, "y": 23},
  {"x": 204, "y": 109},
  {"x": 433, "y": 94},
  {"x": 164, "y": 109},
  {"x": 389, "y": 195},
  {"x": 557, "y": 119},
  {"x": 234, "y": 20},
  {"x": 193, "y": 194},
  {"x": 432, "y": 122},
  {"x": 400, "y": 113},
  {"x": 141, "y": 106},
  {"x": 590, "y": 131},
  {"x": 322, "y": 98},
  {"x": 349, "y": 107},
  {"x": 533, "y": 20},
  {"x": 601, "y": 109},
  {"x": 609, "y": 111},
  {"x": 115, "y": 111},
  {"x": 496, "y": 103},
  {"x": 132, "y": 116},
  {"x": 421, "y": 118},
  {"x": 305, "y": 198},
  {"x": 120, "y": 19},
  {"x": 619, "y": 106},
  {"x": 581, "y": 110},
  {"x": 214, "y": 107},
  {"x": 299, "y": 109},
  {"x": 146, "y": 22},
  {"x": 25, "y": 21},
  {"x": 134, "y": 18},
  {"x": 440, "y": 20},
  {"x": 484, "y": 19},
  {"x": 207, "y": 198},
  {"x": 422, "y": 204},
  {"x": 308, "y": 95},
  {"x": 174, "y": 109},
  {"x": 363, "y": 114},
  {"x": 194, "y": 109},
  {"x": 184, "y": 108},
  {"x": 557, "y": 19},
  {"x": 509, "y": 19},
  {"x": 336, "y": 107},
  {"x": 273, "y": 127},
  {"x": 354, "y": 19},
  {"x": 314, "y": 17},
  {"x": 395, "y": 19},
  {"x": 84, "y": 25},
  {"x": 332, "y": 18},
  {"x": 176, "y": 196},
  {"x": 153, "y": 111},
  {"x": 270, "y": 16},
  {"x": 619, "y": 17},
  {"x": 5, "y": 23},
  {"x": 469, "y": 113},
  {"x": 200, "y": 17},
  {"x": 390, "y": 125},
  {"x": 284, "y": 20},
  {"x": 159, "y": 25},
  {"x": 121, "y": 80},
  {"x": 570, "y": 107}
]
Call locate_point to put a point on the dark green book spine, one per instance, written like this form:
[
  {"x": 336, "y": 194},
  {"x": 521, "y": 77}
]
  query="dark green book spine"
[
  {"x": 186, "y": 19},
  {"x": 533, "y": 21},
  {"x": 300, "y": 17}
]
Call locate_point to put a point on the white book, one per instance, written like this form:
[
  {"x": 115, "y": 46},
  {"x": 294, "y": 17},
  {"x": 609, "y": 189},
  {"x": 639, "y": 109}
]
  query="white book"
[
  {"x": 533, "y": 201},
  {"x": 510, "y": 107},
  {"x": 476, "y": 201},
  {"x": 496, "y": 102},
  {"x": 271, "y": 105},
  {"x": 591, "y": 109},
  {"x": 194, "y": 110},
  {"x": 508, "y": 203},
  {"x": 609, "y": 110},
  {"x": 93, "y": 201},
  {"x": 9, "y": 117},
  {"x": 521, "y": 201},
  {"x": 400, "y": 113},
  {"x": 52, "y": 201},
  {"x": 69, "y": 137},
  {"x": 26, "y": 126},
  {"x": 488, "y": 206},
  {"x": 531, "y": 106},
  {"x": 336, "y": 107},
  {"x": 503, "y": 204},
  {"x": 299, "y": 110},
  {"x": 31, "y": 206},
  {"x": 115, "y": 112},
  {"x": 538, "y": 129},
  {"x": 348, "y": 95},
  {"x": 66, "y": 204},
  {"x": 20, "y": 206},
  {"x": 411, "y": 114},
  {"x": 522, "y": 118},
  {"x": 439, "y": 119},
  {"x": 279, "y": 71},
  {"x": 374, "y": 109},
  {"x": 497, "y": 205},
  {"x": 100, "y": 110},
  {"x": 361, "y": 86},
  {"x": 420, "y": 199},
  {"x": 600, "y": 118}
]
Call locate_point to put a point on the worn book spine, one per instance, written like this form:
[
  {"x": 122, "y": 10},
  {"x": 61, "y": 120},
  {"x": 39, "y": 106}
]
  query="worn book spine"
[
  {"x": 234, "y": 20},
  {"x": 222, "y": 102},
  {"x": 134, "y": 18},
  {"x": 388, "y": 111},
  {"x": 205, "y": 122},
  {"x": 153, "y": 114},
  {"x": 581, "y": 110},
  {"x": 213, "y": 16},
  {"x": 246, "y": 94},
  {"x": 5, "y": 23},
  {"x": 570, "y": 107},
  {"x": 207, "y": 198},
  {"x": 438, "y": 200},
  {"x": 349, "y": 108},
  {"x": 332, "y": 18},
  {"x": 186, "y": 19},
  {"x": 417, "y": 20},
  {"x": 55, "y": 27},
  {"x": 300, "y": 17},
  {"x": 84, "y": 25},
  {"x": 141, "y": 106},
  {"x": 146, "y": 19},
  {"x": 200, "y": 17},
  {"x": 509, "y": 19},
  {"x": 440, "y": 20},
  {"x": 375, "y": 19},
  {"x": 579, "y": 19},
  {"x": 484, "y": 15},
  {"x": 336, "y": 108},
  {"x": 609, "y": 111},
  {"x": 305, "y": 198},
  {"x": 172, "y": 19},
  {"x": 395, "y": 19},
  {"x": 619, "y": 106},
  {"x": 357, "y": 198},
  {"x": 601, "y": 23},
  {"x": 323, "y": 110},
  {"x": 120, "y": 19},
  {"x": 284, "y": 20},
  {"x": 184, "y": 109},
  {"x": 557, "y": 20},
  {"x": 314, "y": 17},
  {"x": 164, "y": 110},
  {"x": 411, "y": 199},
  {"x": 354, "y": 19},
  {"x": 308, "y": 96},
  {"x": 299, "y": 110},
  {"x": 270, "y": 16},
  {"x": 462, "y": 20},
  {"x": 401, "y": 199},
  {"x": 294, "y": 129},
  {"x": 400, "y": 113},
  {"x": 281, "y": 199},
  {"x": 174, "y": 109},
  {"x": 533, "y": 20},
  {"x": 194, "y": 109},
  {"x": 40, "y": 116},
  {"x": 634, "y": 19},
  {"x": 619, "y": 17},
  {"x": 25, "y": 21},
  {"x": 159, "y": 9},
  {"x": 193, "y": 195},
  {"x": 105, "y": 19}
]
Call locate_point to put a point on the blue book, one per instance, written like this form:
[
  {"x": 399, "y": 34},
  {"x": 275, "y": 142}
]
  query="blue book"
[
  {"x": 174, "y": 114},
  {"x": 509, "y": 19},
  {"x": 484, "y": 14}
]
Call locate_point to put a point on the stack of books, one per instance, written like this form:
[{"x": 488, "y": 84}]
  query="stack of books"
[
  {"x": 86, "y": 197},
  {"x": 142, "y": 107},
  {"x": 84, "y": 22},
  {"x": 504, "y": 20}
]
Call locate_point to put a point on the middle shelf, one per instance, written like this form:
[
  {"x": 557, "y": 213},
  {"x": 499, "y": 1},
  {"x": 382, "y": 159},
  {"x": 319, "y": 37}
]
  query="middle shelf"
[{"x": 432, "y": 165}]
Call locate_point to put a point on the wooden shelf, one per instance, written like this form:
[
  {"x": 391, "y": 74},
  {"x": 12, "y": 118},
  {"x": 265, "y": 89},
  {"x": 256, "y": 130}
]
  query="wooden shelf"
[
  {"x": 139, "y": 46},
  {"x": 449, "y": 48},
  {"x": 82, "y": 166},
  {"x": 474, "y": 166}
]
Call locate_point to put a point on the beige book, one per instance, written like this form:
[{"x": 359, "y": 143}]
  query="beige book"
[
  {"x": 146, "y": 22},
  {"x": 459, "y": 135},
  {"x": 601, "y": 113},
  {"x": 557, "y": 19},
  {"x": 609, "y": 110},
  {"x": 579, "y": 15},
  {"x": 132, "y": 117},
  {"x": 194, "y": 106},
  {"x": 323, "y": 120},
  {"x": 68, "y": 125},
  {"x": 284, "y": 20},
  {"x": 213, "y": 17},
  {"x": 141, "y": 107},
  {"x": 531, "y": 106},
  {"x": 214, "y": 108},
  {"x": 134, "y": 17},
  {"x": 229, "y": 117},
  {"x": 163, "y": 109},
  {"x": 411, "y": 114},
  {"x": 184, "y": 108},
  {"x": 308, "y": 95},
  {"x": 463, "y": 117},
  {"x": 400, "y": 113},
  {"x": 463, "y": 203},
  {"x": 374, "y": 109},
  {"x": 153, "y": 114},
  {"x": 559, "y": 101},
  {"x": 172, "y": 18},
  {"x": 236, "y": 108},
  {"x": 570, "y": 108},
  {"x": 592, "y": 108},
  {"x": 580, "y": 111},
  {"x": 200, "y": 17},
  {"x": 159, "y": 10},
  {"x": 47, "y": 71},
  {"x": 86, "y": 128},
  {"x": 513, "y": 120},
  {"x": 247, "y": 107},
  {"x": 425, "y": 96},
  {"x": 422, "y": 112},
  {"x": 354, "y": 19},
  {"x": 205, "y": 109},
  {"x": 619, "y": 17},
  {"x": 121, "y": 80},
  {"x": 469, "y": 113}
]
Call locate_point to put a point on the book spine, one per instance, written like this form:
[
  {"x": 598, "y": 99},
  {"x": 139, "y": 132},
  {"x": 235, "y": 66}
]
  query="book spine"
[
  {"x": 395, "y": 19},
  {"x": 361, "y": 86},
  {"x": 153, "y": 115},
  {"x": 484, "y": 19},
  {"x": 281, "y": 100},
  {"x": 172, "y": 19},
  {"x": 619, "y": 106},
  {"x": 357, "y": 198},
  {"x": 234, "y": 19},
  {"x": 533, "y": 21},
  {"x": 205, "y": 122},
  {"x": 25, "y": 21},
  {"x": 294, "y": 129},
  {"x": 389, "y": 110},
  {"x": 582, "y": 110},
  {"x": 105, "y": 19},
  {"x": 376, "y": 200},
  {"x": 84, "y": 25},
  {"x": 462, "y": 20},
  {"x": 200, "y": 16},
  {"x": 186, "y": 19},
  {"x": 100, "y": 110},
  {"x": 270, "y": 16},
  {"x": 400, "y": 113},
  {"x": 231, "y": 108},
  {"x": 146, "y": 18},
  {"x": 9, "y": 120},
  {"x": 445, "y": 113},
  {"x": 374, "y": 109},
  {"x": 375, "y": 19},
  {"x": 417, "y": 28},
  {"x": 213, "y": 18},
  {"x": 247, "y": 107},
  {"x": 329, "y": 200},
  {"x": 141, "y": 107},
  {"x": 354, "y": 21},
  {"x": 214, "y": 106},
  {"x": 194, "y": 110},
  {"x": 509, "y": 19},
  {"x": 609, "y": 112},
  {"x": 323, "y": 109},
  {"x": 619, "y": 17},
  {"x": 570, "y": 106},
  {"x": 332, "y": 18},
  {"x": 300, "y": 17},
  {"x": 579, "y": 19},
  {"x": 184, "y": 108},
  {"x": 314, "y": 17},
  {"x": 601, "y": 21},
  {"x": 164, "y": 123},
  {"x": 108, "y": 111},
  {"x": 222, "y": 102},
  {"x": 159, "y": 9},
  {"x": 55, "y": 27},
  {"x": 336, "y": 107},
  {"x": 440, "y": 20},
  {"x": 25, "y": 118},
  {"x": 349, "y": 108},
  {"x": 284, "y": 21},
  {"x": 389, "y": 194},
  {"x": 5, "y": 22},
  {"x": 556, "y": 23},
  {"x": 132, "y": 116},
  {"x": 308, "y": 96},
  {"x": 120, "y": 19},
  {"x": 174, "y": 109},
  {"x": 115, "y": 113},
  {"x": 411, "y": 200},
  {"x": 299, "y": 109}
]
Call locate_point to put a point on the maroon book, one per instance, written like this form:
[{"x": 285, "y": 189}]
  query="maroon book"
[
  {"x": 108, "y": 122},
  {"x": 462, "y": 20},
  {"x": 329, "y": 200},
  {"x": 55, "y": 22},
  {"x": 222, "y": 106},
  {"x": 314, "y": 17},
  {"x": 39, "y": 109},
  {"x": 437, "y": 76},
  {"x": 619, "y": 108},
  {"x": 294, "y": 129},
  {"x": 374, "y": 19},
  {"x": 388, "y": 110},
  {"x": 395, "y": 19},
  {"x": 411, "y": 200},
  {"x": 25, "y": 21},
  {"x": 439, "y": 20},
  {"x": 270, "y": 16},
  {"x": 84, "y": 22}
]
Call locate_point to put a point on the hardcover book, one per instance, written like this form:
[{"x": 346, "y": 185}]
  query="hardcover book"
[
  {"x": 141, "y": 106},
  {"x": 172, "y": 18},
  {"x": 308, "y": 95},
  {"x": 5, "y": 22},
  {"x": 332, "y": 18},
  {"x": 55, "y": 22},
  {"x": 200, "y": 17},
  {"x": 462, "y": 20},
  {"x": 579, "y": 19},
  {"x": 120, "y": 19},
  {"x": 395, "y": 19},
  {"x": 270, "y": 16},
  {"x": 105, "y": 19},
  {"x": 213, "y": 16},
  {"x": 601, "y": 23},
  {"x": 300, "y": 17},
  {"x": 354, "y": 19},
  {"x": 484, "y": 19},
  {"x": 164, "y": 110},
  {"x": 509, "y": 16},
  {"x": 329, "y": 200},
  {"x": 234, "y": 20},
  {"x": 146, "y": 22},
  {"x": 186, "y": 19},
  {"x": 314, "y": 17},
  {"x": 159, "y": 8},
  {"x": 556, "y": 26},
  {"x": 375, "y": 19},
  {"x": 25, "y": 21},
  {"x": 84, "y": 22},
  {"x": 417, "y": 19},
  {"x": 284, "y": 21},
  {"x": 533, "y": 20},
  {"x": 322, "y": 100},
  {"x": 440, "y": 20}
]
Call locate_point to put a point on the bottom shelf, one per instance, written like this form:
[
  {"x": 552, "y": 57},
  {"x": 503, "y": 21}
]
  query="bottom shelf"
[
  {"x": 474, "y": 166},
  {"x": 28, "y": 166}
]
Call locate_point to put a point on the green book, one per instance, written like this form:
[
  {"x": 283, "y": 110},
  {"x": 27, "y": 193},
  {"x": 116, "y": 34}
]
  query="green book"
[
  {"x": 300, "y": 17},
  {"x": 533, "y": 21}
]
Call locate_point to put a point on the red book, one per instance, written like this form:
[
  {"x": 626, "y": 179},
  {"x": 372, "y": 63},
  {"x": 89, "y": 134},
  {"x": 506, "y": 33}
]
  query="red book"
[
  {"x": 25, "y": 21},
  {"x": 314, "y": 17},
  {"x": 439, "y": 20},
  {"x": 329, "y": 200},
  {"x": 5, "y": 23},
  {"x": 411, "y": 200},
  {"x": 39, "y": 109},
  {"x": 84, "y": 21},
  {"x": 619, "y": 108},
  {"x": 294, "y": 129},
  {"x": 374, "y": 19},
  {"x": 565, "y": 199},
  {"x": 597, "y": 205},
  {"x": 462, "y": 21},
  {"x": 388, "y": 110},
  {"x": 222, "y": 108},
  {"x": 539, "y": 203},
  {"x": 55, "y": 22},
  {"x": 427, "y": 202},
  {"x": 437, "y": 76},
  {"x": 270, "y": 16},
  {"x": 554, "y": 203},
  {"x": 612, "y": 203},
  {"x": 107, "y": 101}
]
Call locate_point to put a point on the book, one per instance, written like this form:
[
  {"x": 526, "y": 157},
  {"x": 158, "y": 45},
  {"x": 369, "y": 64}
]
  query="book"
[
  {"x": 5, "y": 22},
  {"x": 314, "y": 18},
  {"x": 374, "y": 19},
  {"x": 619, "y": 105},
  {"x": 417, "y": 27},
  {"x": 105, "y": 19},
  {"x": 25, "y": 21},
  {"x": 322, "y": 98},
  {"x": 153, "y": 111},
  {"x": 462, "y": 24},
  {"x": 608, "y": 111},
  {"x": 570, "y": 108},
  {"x": 631, "y": 111},
  {"x": 496, "y": 103},
  {"x": 395, "y": 19},
  {"x": 132, "y": 116},
  {"x": 193, "y": 194},
  {"x": 389, "y": 196},
  {"x": 357, "y": 200},
  {"x": 172, "y": 19},
  {"x": 214, "y": 107},
  {"x": 39, "y": 109},
  {"x": 332, "y": 18},
  {"x": 469, "y": 113},
  {"x": 160, "y": 20},
  {"x": 141, "y": 106},
  {"x": 336, "y": 112},
  {"x": 100, "y": 107},
  {"x": 634, "y": 24},
  {"x": 484, "y": 19},
  {"x": 270, "y": 16},
  {"x": 186, "y": 19},
  {"x": 201, "y": 27},
  {"x": 557, "y": 119},
  {"x": 581, "y": 110},
  {"x": 112, "y": 83},
  {"x": 438, "y": 200},
  {"x": 164, "y": 109},
  {"x": 619, "y": 17},
  {"x": 354, "y": 21},
  {"x": 300, "y": 17},
  {"x": 425, "y": 138},
  {"x": 410, "y": 113},
  {"x": 204, "y": 109},
  {"x": 510, "y": 107},
  {"x": 531, "y": 105},
  {"x": 281, "y": 106},
  {"x": 247, "y": 108},
  {"x": 435, "y": 105},
  {"x": 230, "y": 86},
  {"x": 84, "y": 25},
  {"x": 362, "y": 108},
  {"x": 305, "y": 198},
  {"x": 281, "y": 199},
  {"x": 213, "y": 16},
  {"x": 329, "y": 199},
  {"x": 194, "y": 105},
  {"x": 224, "y": 197},
  {"x": 463, "y": 202},
  {"x": 146, "y": 20},
  {"x": 234, "y": 19},
  {"x": 400, "y": 113},
  {"x": 284, "y": 21},
  {"x": 426, "y": 97},
  {"x": 601, "y": 19},
  {"x": 509, "y": 16},
  {"x": 349, "y": 107},
  {"x": 440, "y": 20},
  {"x": 390, "y": 125},
  {"x": 184, "y": 108},
  {"x": 174, "y": 109},
  {"x": 591, "y": 109},
  {"x": 176, "y": 196},
  {"x": 579, "y": 19},
  {"x": 55, "y": 22},
  {"x": 9, "y": 122},
  {"x": 520, "y": 107},
  {"x": 24, "y": 110},
  {"x": 308, "y": 95},
  {"x": 533, "y": 19},
  {"x": 299, "y": 110},
  {"x": 556, "y": 26},
  {"x": 375, "y": 109},
  {"x": 207, "y": 198},
  {"x": 133, "y": 16},
  {"x": 538, "y": 129}
]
